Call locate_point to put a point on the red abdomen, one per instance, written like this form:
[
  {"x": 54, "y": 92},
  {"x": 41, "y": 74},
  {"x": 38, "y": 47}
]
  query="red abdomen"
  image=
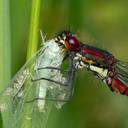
[{"x": 119, "y": 87}]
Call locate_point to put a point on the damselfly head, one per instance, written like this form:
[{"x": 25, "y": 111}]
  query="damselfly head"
[{"x": 69, "y": 40}]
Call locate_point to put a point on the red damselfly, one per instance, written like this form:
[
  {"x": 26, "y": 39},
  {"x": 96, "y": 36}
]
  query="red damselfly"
[
  {"x": 100, "y": 62},
  {"x": 43, "y": 79}
]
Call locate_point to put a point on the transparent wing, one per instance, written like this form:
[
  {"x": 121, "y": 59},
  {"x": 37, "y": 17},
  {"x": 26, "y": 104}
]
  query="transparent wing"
[
  {"x": 26, "y": 99},
  {"x": 122, "y": 71}
]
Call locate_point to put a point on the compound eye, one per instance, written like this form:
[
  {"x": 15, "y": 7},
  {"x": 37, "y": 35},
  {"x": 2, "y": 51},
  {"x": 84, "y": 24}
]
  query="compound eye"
[{"x": 72, "y": 43}]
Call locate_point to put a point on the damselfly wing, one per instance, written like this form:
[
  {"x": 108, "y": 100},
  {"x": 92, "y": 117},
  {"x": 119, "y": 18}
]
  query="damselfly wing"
[
  {"x": 39, "y": 81},
  {"x": 121, "y": 78}
]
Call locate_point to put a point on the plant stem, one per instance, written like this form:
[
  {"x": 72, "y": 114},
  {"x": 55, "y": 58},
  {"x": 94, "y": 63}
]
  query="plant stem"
[{"x": 34, "y": 31}]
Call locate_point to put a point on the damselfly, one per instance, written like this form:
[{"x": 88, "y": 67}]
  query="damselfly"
[
  {"x": 42, "y": 77},
  {"x": 100, "y": 62}
]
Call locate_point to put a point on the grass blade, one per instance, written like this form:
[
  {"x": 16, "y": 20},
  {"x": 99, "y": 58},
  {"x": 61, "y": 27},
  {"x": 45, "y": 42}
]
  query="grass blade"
[
  {"x": 5, "y": 51},
  {"x": 34, "y": 31}
]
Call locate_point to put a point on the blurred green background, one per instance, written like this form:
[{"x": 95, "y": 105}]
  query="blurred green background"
[{"x": 100, "y": 23}]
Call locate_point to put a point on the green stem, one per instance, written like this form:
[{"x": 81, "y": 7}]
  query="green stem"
[{"x": 34, "y": 31}]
